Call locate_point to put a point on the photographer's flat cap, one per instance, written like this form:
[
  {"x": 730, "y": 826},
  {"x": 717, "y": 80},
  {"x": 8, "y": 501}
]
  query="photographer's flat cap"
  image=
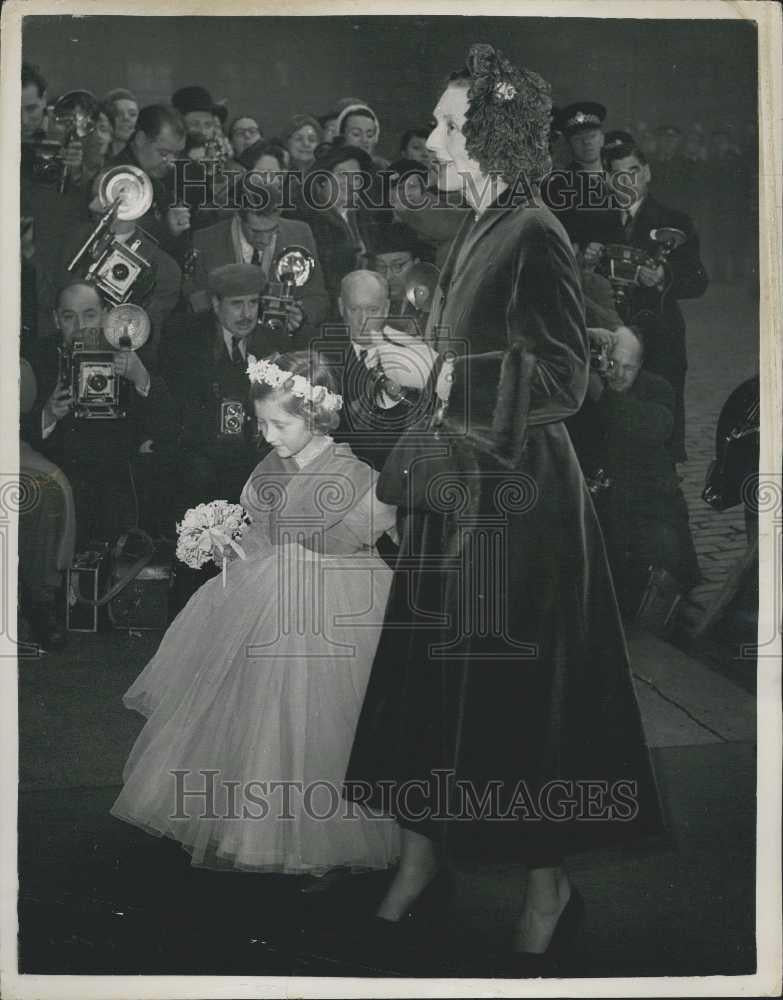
[
  {"x": 232, "y": 280},
  {"x": 192, "y": 99},
  {"x": 580, "y": 116}
]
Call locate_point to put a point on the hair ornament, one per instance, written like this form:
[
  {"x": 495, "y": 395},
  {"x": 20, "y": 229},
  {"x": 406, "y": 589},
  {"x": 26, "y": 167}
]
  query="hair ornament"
[{"x": 270, "y": 374}]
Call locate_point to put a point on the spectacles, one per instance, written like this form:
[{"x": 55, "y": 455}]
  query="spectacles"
[{"x": 247, "y": 133}]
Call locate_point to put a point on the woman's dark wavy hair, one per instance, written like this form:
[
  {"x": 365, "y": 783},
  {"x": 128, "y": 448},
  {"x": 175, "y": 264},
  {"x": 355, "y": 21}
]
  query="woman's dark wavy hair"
[
  {"x": 309, "y": 364},
  {"x": 509, "y": 115}
]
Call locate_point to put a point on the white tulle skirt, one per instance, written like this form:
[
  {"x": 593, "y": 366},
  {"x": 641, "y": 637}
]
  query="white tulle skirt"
[{"x": 251, "y": 703}]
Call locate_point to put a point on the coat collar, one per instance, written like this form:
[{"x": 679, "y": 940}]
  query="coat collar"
[{"x": 473, "y": 230}]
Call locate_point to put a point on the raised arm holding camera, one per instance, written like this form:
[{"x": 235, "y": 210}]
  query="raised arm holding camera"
[
  {"x": 98, "y": 409},
  {"x": 661, "y": 275}
]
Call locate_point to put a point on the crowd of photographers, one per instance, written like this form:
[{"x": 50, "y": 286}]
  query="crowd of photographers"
[{"x": 204, "y": 261}]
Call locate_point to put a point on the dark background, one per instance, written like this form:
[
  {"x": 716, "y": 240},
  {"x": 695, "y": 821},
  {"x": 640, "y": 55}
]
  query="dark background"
[{"x": 658, "y": 72}]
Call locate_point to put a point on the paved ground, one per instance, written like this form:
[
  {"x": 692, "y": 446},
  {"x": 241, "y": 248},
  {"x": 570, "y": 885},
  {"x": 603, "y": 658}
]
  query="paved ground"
[{"x": 101, "y": 897}]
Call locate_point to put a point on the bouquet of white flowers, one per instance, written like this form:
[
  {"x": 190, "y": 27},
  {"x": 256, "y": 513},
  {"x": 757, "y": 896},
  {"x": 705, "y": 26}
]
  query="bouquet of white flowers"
[{"x": 210, "y": 527}]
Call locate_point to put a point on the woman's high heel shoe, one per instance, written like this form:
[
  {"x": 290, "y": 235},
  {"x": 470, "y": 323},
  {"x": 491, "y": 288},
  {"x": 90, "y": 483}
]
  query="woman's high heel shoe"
[{"x": 529, "y": 963}]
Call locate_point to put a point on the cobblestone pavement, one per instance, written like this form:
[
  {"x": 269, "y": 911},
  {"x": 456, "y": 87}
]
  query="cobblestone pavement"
[{"x": 722, "y": 352}]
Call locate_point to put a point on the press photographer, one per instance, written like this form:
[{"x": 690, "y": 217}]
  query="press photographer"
[
  {"x": 386, "y": 371},
  {"x": 259, "y": 237},
  {"x": 204, "y": 360},
  {"x": 125, "y": 262},
  {"x": 156, "y": 143},
  {"x": 661, "y": 276},
  {"x": 100, "y": 416},
  {"x": 631, "y": 473}
]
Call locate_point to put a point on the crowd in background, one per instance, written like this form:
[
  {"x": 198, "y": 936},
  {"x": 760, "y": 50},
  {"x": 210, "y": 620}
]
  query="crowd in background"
[{"x": 196, "y": 289}]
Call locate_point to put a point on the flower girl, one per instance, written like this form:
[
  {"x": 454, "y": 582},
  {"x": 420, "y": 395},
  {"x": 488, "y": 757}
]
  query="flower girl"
[{"x": 252, "y": 698}]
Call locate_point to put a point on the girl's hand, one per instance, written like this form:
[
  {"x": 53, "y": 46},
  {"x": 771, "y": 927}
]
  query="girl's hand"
[{"x": 219, "y": 551}]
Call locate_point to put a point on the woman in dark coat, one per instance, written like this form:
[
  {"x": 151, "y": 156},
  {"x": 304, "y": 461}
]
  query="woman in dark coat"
[{"x": 501, "y": 691}]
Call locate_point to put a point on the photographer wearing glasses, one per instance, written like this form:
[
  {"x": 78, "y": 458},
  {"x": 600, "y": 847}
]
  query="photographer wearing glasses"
[
  {"x": 643, "y": 513},
  {"x": 99, "y": 445},
  {"x": 395, "y": 249},
  {"x": 158, "y": 140}
]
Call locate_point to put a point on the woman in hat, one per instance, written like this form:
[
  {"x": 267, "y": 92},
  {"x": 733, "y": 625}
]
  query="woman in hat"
[
  {"x": 359, "y": 126},
  {"x": 508, "y": 696}
]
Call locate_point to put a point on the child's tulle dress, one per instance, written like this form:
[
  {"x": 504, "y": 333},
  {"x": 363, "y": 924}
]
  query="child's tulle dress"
[{"x": 253, "y": 696}]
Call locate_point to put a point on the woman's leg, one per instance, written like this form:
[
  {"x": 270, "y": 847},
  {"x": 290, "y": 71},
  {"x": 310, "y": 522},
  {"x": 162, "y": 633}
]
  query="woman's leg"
[
  {"x": 419, "y": 863},
  {"x": 548, "y": 892}
]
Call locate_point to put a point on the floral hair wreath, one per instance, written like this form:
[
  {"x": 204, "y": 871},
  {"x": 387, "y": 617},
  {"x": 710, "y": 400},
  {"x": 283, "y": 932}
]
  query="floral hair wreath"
[{"x": 269, "y": 374}]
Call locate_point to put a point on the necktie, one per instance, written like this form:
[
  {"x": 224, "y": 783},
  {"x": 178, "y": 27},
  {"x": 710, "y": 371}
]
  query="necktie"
[
  {"x": 256, "y": 258},
  {"x": 627, "y": 220},
  {"x": 236, "y": 355}
]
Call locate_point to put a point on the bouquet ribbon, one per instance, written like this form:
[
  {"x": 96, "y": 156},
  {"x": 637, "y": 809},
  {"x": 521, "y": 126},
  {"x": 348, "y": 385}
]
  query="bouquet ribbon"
[{"x": 214, "y": 536}]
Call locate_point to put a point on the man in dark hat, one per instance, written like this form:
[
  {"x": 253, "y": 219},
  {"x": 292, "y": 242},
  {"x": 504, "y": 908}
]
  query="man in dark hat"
[
  {"x": 204, "y": 357},
  {"x": 395, "y": 249},
  {"x": 196, "y": 106}
]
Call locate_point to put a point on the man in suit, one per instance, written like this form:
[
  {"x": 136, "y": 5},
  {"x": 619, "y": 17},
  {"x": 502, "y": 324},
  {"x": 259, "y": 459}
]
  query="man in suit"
[
  {"x": 385, "y": 372},
  {"x": 257, "y": 237},
  {"x": 204, "y": 359},
  {"x": 98, "y": 456},
  {"x": 653, "y": 304}
]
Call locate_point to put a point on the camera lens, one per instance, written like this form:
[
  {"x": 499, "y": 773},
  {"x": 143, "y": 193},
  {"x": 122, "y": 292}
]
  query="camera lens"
[
  {"x": 120, "y": 272},
  {"x": 97, "y": 382}
]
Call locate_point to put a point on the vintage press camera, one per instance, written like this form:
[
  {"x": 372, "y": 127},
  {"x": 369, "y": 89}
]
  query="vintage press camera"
[
  {"x": 622, "y": 263},
  {"x": 291, "y": 269},
  {"x": 87, "y": 367},
  {"x": 125, "y": 194},
  {"x": 75, "y": 116},
  {"x": 599, "y": 359}
]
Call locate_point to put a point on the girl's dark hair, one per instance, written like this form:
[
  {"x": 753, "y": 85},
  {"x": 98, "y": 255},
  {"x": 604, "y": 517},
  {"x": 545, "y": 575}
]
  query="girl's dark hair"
[{"x": 308, "y": 364}]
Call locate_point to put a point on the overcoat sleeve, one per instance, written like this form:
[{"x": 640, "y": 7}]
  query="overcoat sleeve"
[
  {"x": 686, "y": 276},
  {"x": 546, "y": 313}
]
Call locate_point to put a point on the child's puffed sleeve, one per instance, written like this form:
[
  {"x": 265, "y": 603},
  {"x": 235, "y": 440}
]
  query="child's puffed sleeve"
[{"x": 361, "y": 527}]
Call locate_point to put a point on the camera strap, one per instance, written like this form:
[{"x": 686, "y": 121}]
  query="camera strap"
[{"x": 130, "y": 574}]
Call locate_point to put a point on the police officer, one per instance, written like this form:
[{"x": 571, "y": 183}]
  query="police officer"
[{"x": 579, "y": 195}]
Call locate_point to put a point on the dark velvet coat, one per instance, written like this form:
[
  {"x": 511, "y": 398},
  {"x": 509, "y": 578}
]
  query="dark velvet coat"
[{"x": 502, "y": 664}]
